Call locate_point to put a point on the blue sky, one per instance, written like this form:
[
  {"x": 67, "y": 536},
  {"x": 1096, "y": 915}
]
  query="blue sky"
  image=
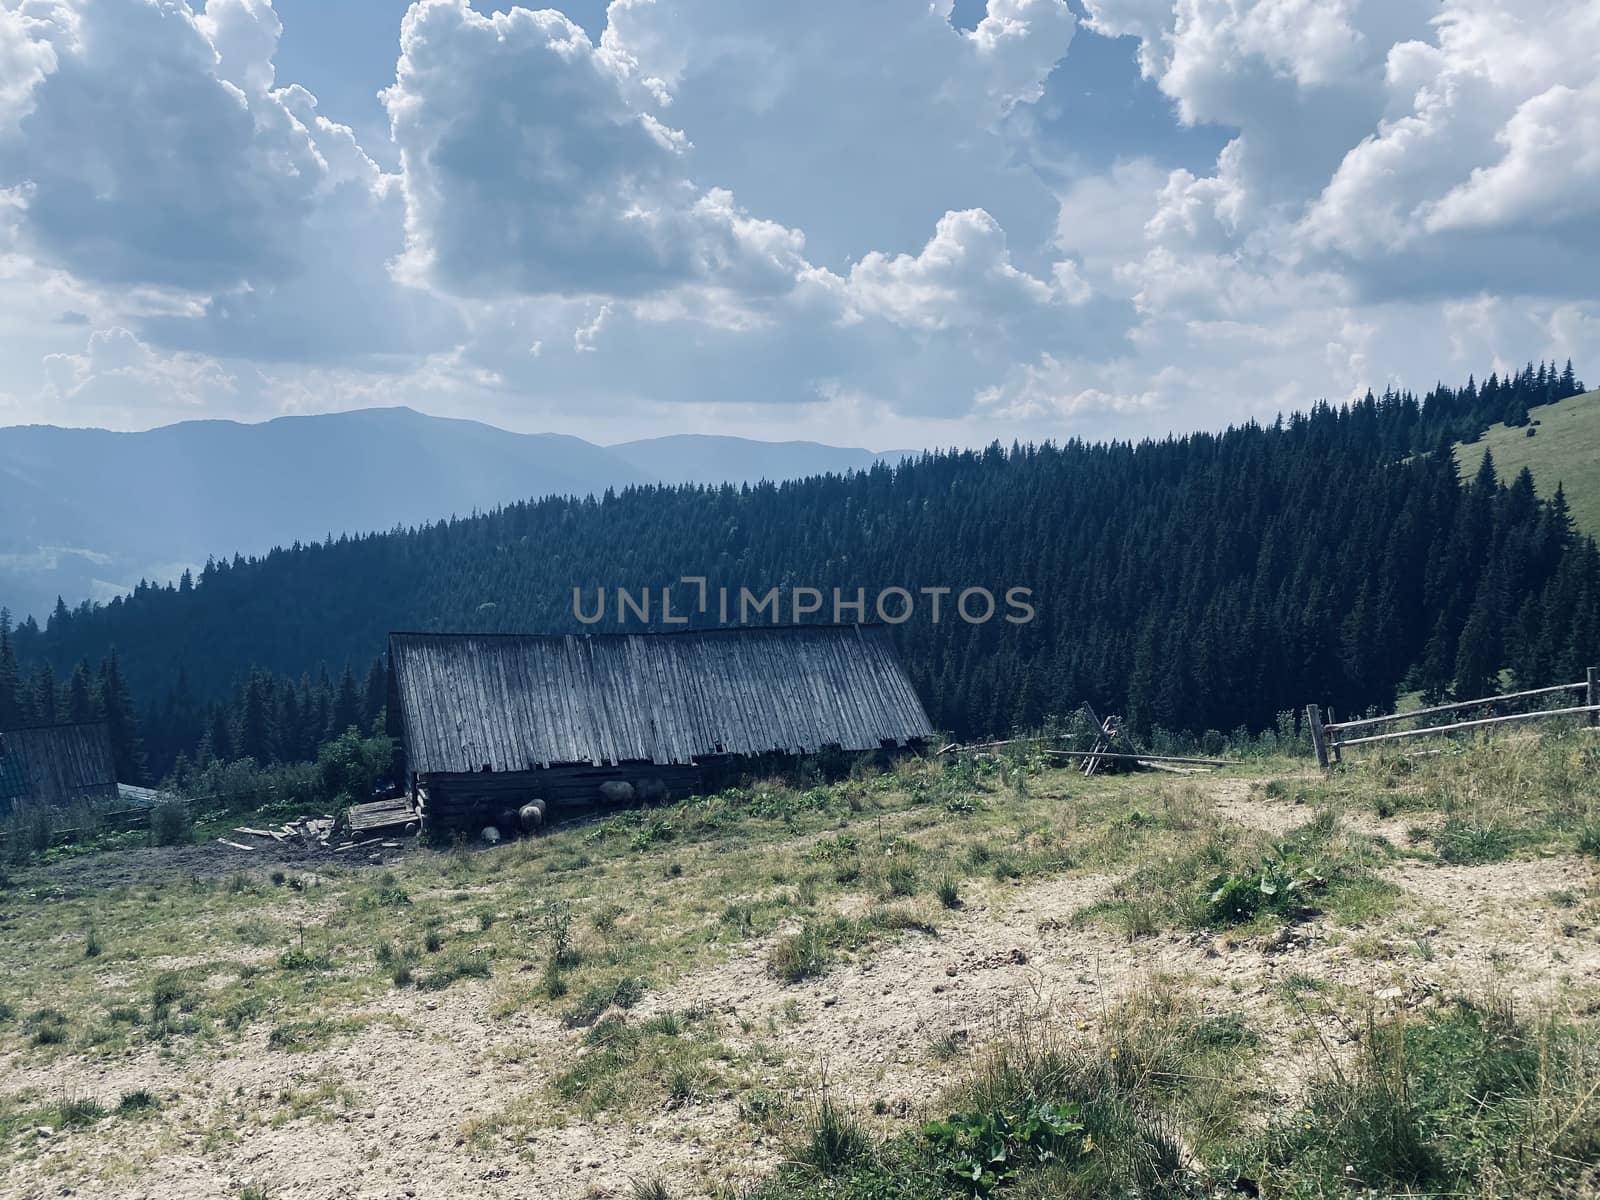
[{"x": 905, "y": 223}]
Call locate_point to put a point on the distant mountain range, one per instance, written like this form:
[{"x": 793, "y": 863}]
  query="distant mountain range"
[{"x": 87, "y": 513}]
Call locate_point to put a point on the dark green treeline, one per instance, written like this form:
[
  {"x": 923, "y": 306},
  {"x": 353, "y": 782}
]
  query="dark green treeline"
[{"x": 1208, "y": 581}]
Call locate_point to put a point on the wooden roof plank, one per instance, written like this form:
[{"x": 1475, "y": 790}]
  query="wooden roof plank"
[{"x": 505, "y": 700}]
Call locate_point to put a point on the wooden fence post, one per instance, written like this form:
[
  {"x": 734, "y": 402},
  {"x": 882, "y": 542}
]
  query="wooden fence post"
[
  {"x": 1594, "y": 695},
  {"x": 1335, "y": 752},
  {"x": 1318, "y": 741}
]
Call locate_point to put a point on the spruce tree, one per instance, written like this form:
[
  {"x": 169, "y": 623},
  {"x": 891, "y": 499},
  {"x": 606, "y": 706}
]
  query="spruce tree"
[
  {"x": 116, "y": 705},
  {"x": 346, "y": 705},
  {"x": 255, "y": 726},
  {"x": 377, "y": 695},
  {"x": 11, "y": 707},
  {"x": 81, "y": 706}
]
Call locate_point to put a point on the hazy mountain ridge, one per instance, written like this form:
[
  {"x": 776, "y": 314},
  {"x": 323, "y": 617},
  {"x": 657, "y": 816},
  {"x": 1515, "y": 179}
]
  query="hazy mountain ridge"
[{"x": 89, "y": 512}]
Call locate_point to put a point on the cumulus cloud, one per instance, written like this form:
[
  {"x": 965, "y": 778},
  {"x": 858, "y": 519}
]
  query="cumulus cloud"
[
  {"x": 26, "y": 58},
  {"x": 1495, "y": 126},
  {"x": 531, "y": 169},
  {"x": 526, "y": 169},
  {"x": 147, "y": 153},
  {"x": 861, "y": 124},
  {"x": 1550, "y": 169},
  {"x": 964, "y": 275},
  {"x": 116, "y": 368},
  {"x": 1019, "y": 42}
]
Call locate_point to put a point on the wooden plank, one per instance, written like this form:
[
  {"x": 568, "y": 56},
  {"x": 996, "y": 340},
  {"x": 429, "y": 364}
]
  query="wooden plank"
[
  {"x": 1150, "y": 758},
  {"x": 235, "y": 845},
  {"x": 1451, "y": 728},
  {"x": 1108, "y": 733}
]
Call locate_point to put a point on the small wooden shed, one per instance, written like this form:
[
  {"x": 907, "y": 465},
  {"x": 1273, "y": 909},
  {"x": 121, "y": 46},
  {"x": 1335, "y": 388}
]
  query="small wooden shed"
[
  {"x": 59, "y": 765},
  {"x": 490, "y": 721}
]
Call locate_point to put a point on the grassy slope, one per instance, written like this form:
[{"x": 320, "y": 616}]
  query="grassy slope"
[
  {"x": 1565, "y": 450},
  {"x": 550, "y": 964}
]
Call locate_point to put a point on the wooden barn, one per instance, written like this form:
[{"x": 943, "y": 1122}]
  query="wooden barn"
[
  {"x": 490, "y": 722},
  {"x": 59, "y": 765}
]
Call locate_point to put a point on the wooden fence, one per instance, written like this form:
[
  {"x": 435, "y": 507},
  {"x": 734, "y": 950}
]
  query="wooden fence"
[{"x": 1330, "y": 737}]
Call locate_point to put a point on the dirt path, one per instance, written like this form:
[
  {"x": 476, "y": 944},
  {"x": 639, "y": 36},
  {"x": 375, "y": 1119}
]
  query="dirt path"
[{"x": 399, "y": 1096}]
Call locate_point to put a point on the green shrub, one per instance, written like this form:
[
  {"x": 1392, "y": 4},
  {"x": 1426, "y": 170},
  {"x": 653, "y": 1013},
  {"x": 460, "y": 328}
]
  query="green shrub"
[
  {"x": 983, "y": 1150},
  {"x": 622, "y": 993},
  {"x": 1281, "y": 884},
  {"x": 240, "y": 1013},
  {"x": 298, "y": 958},
  {"x": 649, "y": 1187},
  {"x": 171, "y": 824},
  {"x": 949, "y": 893}
]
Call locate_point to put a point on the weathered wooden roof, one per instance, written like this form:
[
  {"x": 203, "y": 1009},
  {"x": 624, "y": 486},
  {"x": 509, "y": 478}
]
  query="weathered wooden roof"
[
  {"x": 514, "y": 703},
  {"x": 60, "y": 764}
]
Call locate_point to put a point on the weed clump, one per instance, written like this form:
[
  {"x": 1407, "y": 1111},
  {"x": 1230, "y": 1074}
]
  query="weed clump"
[
  {"x": 622, "y": 993},
  {"x": 1467, "y": 842},
  {"x": 1472, "y": 1100},
  {"x": 800, "y": 956},
  {"x": 136, "y": 1103},
  {"x": 79, "y": 1110},
  {"x": 455, "y": 967},
  {"x": 46, "y": 1027}
]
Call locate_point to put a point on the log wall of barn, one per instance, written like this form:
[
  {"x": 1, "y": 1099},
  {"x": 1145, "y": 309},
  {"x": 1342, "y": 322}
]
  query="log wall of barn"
[{"x": 470, "y": 801}]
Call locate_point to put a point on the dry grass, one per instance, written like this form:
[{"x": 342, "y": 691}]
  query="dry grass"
[{"x": 564, "y": 968}]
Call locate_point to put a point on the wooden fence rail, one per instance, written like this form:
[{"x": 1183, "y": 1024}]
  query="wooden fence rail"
[{"x": 1326, "y": 739}]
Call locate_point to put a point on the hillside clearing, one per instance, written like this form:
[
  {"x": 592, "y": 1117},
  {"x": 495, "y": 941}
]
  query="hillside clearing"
[
  {"x": 1564, "y": 449},
  {"x": 611, "y": 1005}
]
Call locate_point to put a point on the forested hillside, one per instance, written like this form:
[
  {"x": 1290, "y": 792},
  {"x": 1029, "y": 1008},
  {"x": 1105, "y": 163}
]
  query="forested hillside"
[{"x": 1209, "y": 581}]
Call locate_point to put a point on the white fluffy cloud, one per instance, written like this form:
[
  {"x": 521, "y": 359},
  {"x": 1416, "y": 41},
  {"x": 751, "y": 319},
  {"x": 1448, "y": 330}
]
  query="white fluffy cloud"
[
  {"x": 534, "y": 165},
  {"x": 117, "y": 370},
  {"x": 527, "y": 170},
  {"x": 146, "y": 153},
  {"x": 26, "y": 57},
  {"x": 1493, "y": 127},
  {"x": 963, "y": 275},
  {"x": 1398, "y": 170}
]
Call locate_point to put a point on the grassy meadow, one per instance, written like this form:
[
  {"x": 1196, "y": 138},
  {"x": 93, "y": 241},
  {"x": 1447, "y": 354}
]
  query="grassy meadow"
[
  {"x": 964, "y": 976},
  {"x": 1564, "y": 449}
]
